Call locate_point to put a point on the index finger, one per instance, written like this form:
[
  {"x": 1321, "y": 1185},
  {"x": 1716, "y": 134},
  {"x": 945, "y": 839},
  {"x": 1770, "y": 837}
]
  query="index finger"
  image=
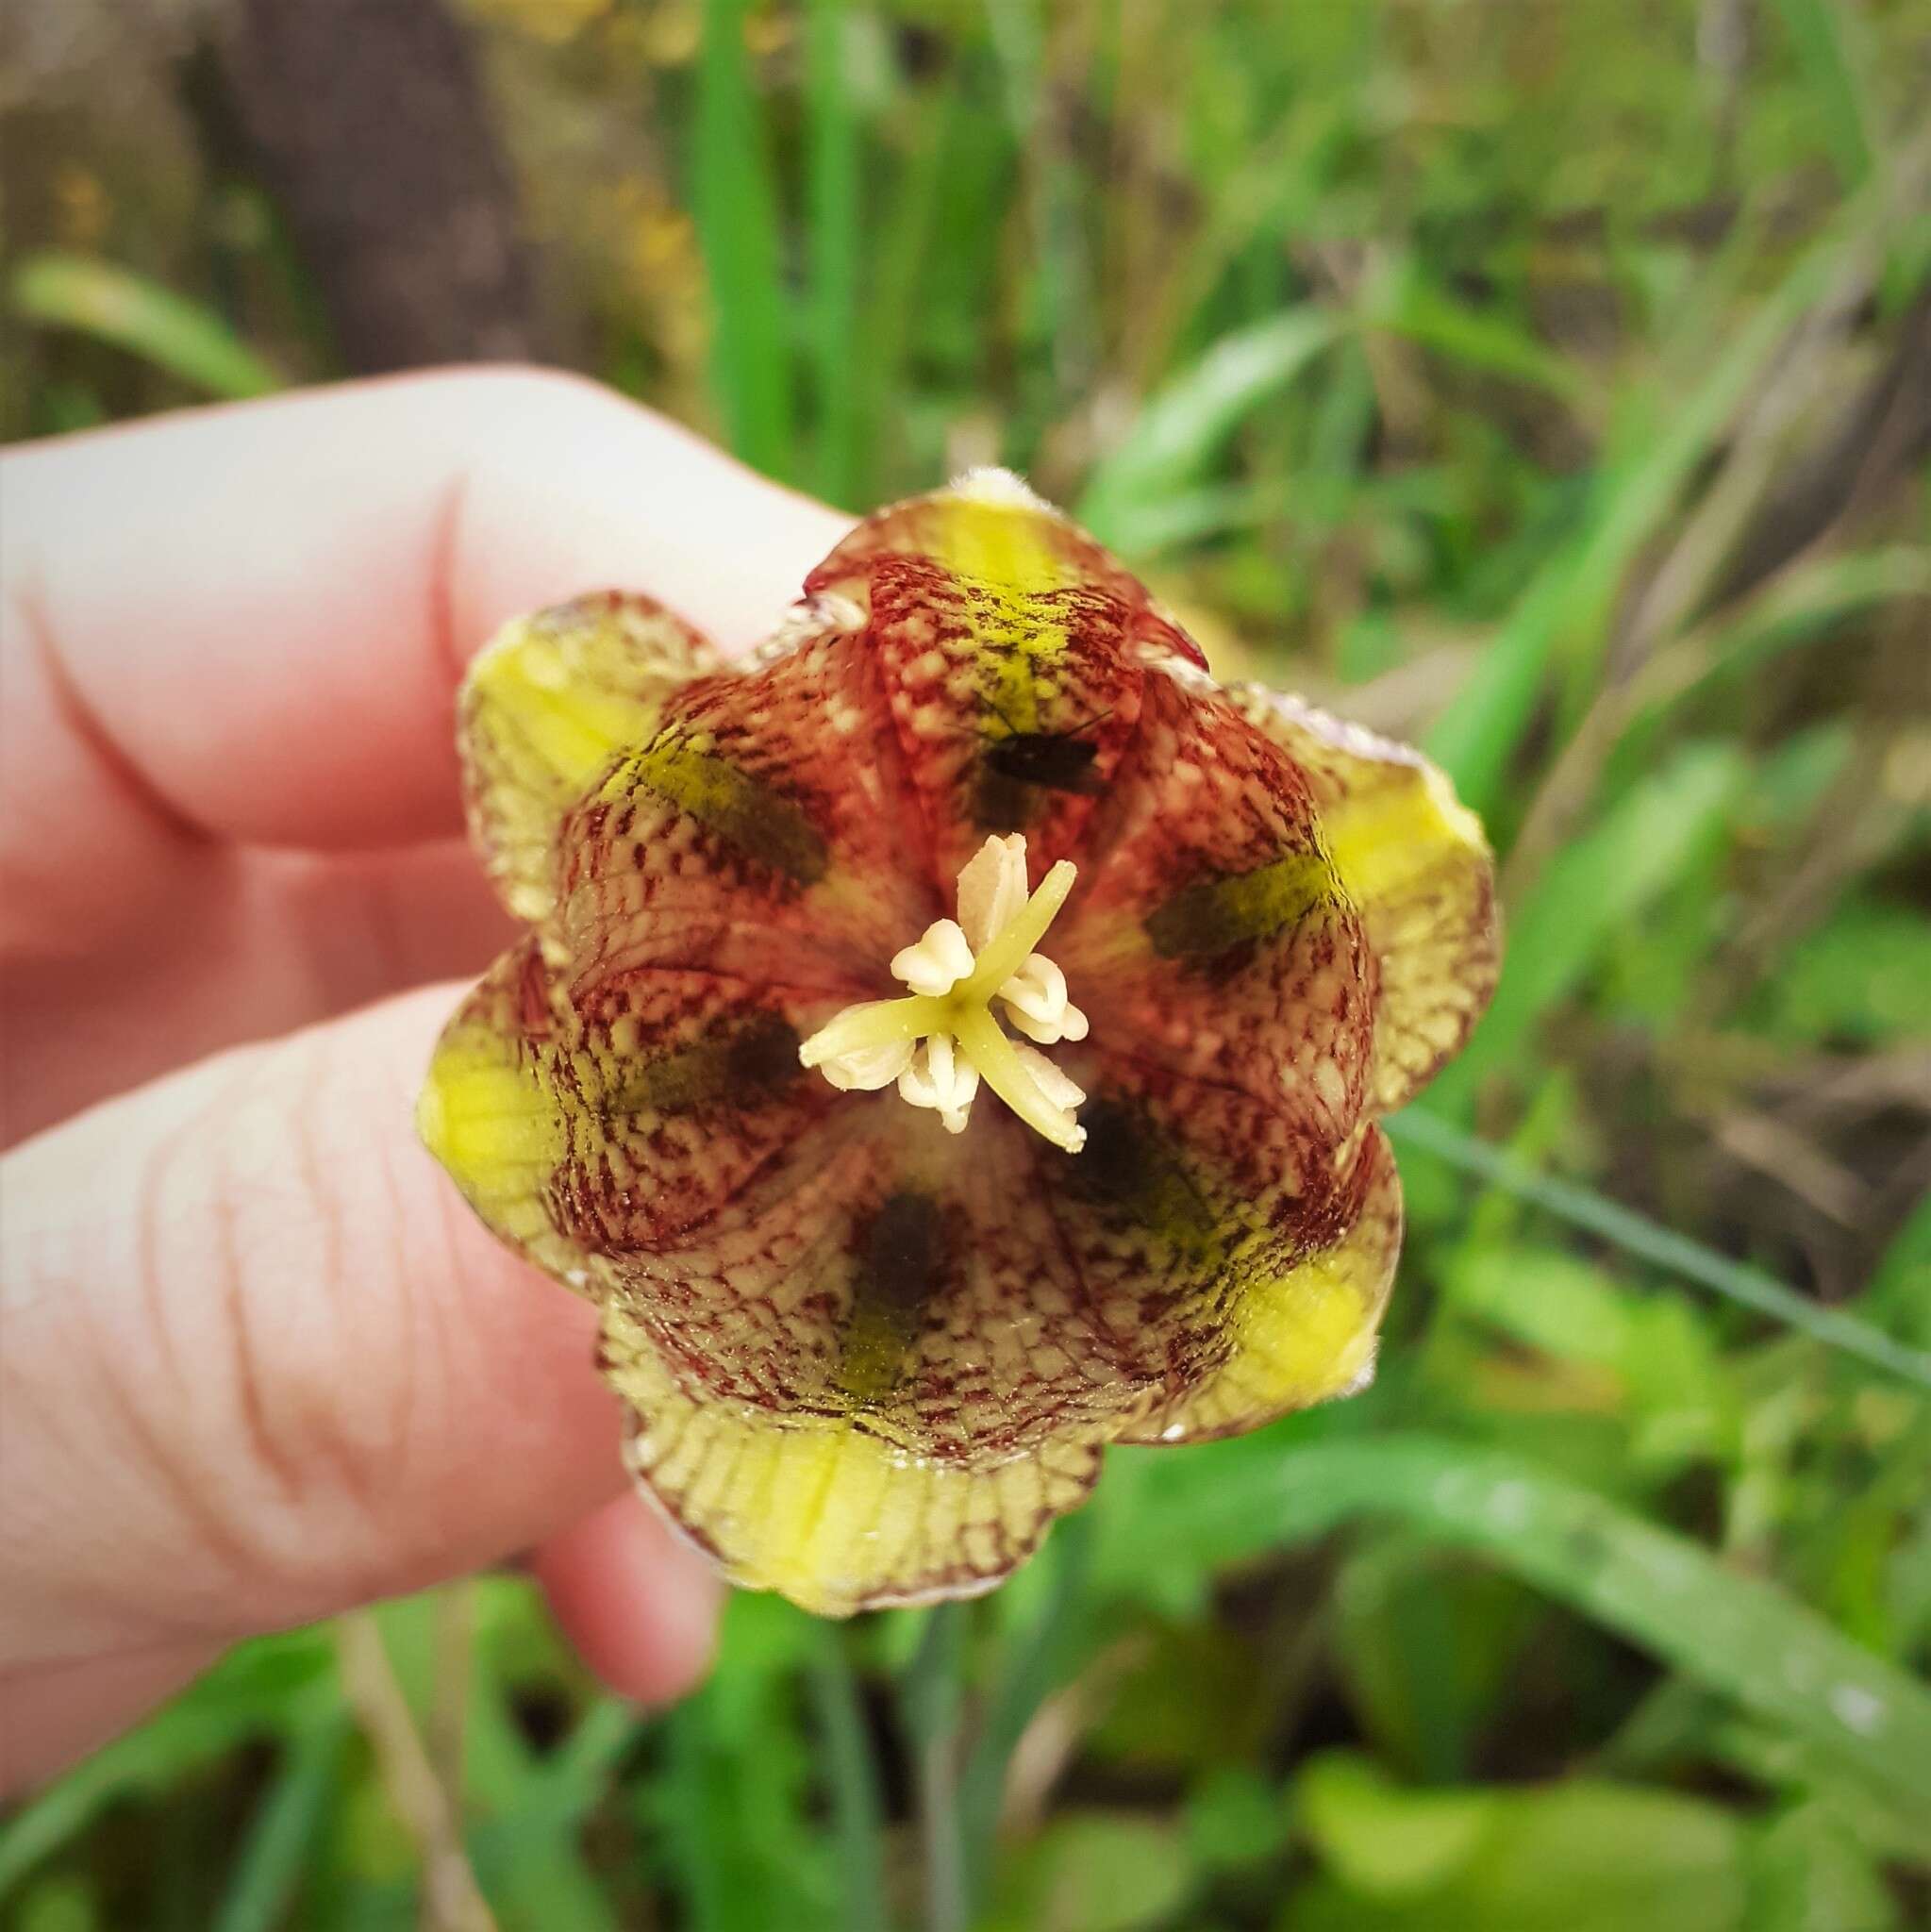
[{"x": 251, "y": 621}]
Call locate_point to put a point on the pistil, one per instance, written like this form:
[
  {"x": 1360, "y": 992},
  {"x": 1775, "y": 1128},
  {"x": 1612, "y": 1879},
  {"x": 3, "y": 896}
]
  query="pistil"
[{"x": 945, "y": 1038}]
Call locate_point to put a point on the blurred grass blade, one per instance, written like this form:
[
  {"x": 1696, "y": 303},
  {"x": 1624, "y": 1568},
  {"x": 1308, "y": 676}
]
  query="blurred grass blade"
[
  {"x": 1823, "y": 36},
  {"x": 1732, "y": 1633},
  {"x": 1900, "y": 1292},
  {"x": 1589, "y": 892},
  {"x": 274, "y": 1856},
  {"x": 737, "y": 1803},
  {"x": 1574, "y": 592},
  {"x": 115, "y": 305},
  {"x": 1184, "y": 423},
  {"x": 736, "y": 208},
  {"x": 1675, "y": 1254},
  {"x": 836, "y": 248},
  {"x": 1408, "y": 304},
  {"x": 897, "y": 259},
  {"x": 1024, "y": 1683},
  {"x": 857, "y": 1809}
]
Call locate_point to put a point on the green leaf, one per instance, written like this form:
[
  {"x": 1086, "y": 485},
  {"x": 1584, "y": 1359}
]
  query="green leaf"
[
  {"x": 1587, "y": 1856},
  {"x": 1031, "y": 1666},
  {"x": 1587, "y": 898},
  {"x": 837, "y": 246},
  {"x": 1233, "y": 1817},
  {"x": 735, "y": 203},
  {"x": 1381, "y": 1839},
  {"x": 1409, "y": 304},
  {"x": 1810, "y": 1874},
  {"x": 1575, "y": 593},
  {"x": 115, "y": 305},
  {"x": 270, "y": 1865},
  {"x": 1096, "y": 1872},
  {"x": 1827, "y": 38},
  {"x": 1183, "y": 423},
  {"x": 856, "y": 1805},
  {"x": 1733, "y": 1633},
  {"x": 738, "y": 1801},
  {"x": 1863, "y": 976}
]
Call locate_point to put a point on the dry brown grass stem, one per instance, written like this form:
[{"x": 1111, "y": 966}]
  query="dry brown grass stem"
[{"x": 452, "y": 1901}]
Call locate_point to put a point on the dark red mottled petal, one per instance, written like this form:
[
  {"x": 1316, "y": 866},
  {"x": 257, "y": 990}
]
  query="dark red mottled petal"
[
  {"x": 762, "y": 830},
  {"x": 1014, "y": 705},
  {"x": 1209, "y": 935},
  {"x": 885, "y": 1270},
  {"x": 837, "y": 1515},
  {"x": 677, "y": 1089},
  {"x": 988, "y": 526}
]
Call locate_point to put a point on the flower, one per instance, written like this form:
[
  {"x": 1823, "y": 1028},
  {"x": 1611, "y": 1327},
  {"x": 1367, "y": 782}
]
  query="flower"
[{"x": 946, "y": 1044}]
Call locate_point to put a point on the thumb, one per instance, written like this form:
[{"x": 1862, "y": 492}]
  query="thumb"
[{"x": 259, "y": 1363}]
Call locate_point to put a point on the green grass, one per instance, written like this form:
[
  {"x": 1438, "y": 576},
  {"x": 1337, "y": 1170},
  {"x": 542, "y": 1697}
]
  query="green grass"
[{"x": 1439, "y": 361}]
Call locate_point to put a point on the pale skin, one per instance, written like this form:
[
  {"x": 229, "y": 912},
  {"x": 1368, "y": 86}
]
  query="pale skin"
[{"x": 257, "y": 1363}]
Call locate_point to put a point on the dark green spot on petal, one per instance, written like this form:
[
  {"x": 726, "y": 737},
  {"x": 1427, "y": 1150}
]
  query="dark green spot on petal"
[
  {"x": 754, "y": 818},
  {"x": 899, "y": 1266},
  {"x": 735, "y": 1062},
  {"x": 1211, "y": 916}
]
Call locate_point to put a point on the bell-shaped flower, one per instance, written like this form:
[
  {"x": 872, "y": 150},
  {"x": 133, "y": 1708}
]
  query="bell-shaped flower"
[{"x": 947, "y": 1043}]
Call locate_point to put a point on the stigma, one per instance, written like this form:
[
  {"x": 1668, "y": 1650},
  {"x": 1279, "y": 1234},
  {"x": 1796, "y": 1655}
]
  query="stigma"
[{"x": 972, "y": 983}]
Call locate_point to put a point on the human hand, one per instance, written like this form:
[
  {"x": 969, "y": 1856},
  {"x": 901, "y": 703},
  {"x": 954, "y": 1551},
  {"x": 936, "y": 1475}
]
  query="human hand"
[{"x": 257, "y": 1362}]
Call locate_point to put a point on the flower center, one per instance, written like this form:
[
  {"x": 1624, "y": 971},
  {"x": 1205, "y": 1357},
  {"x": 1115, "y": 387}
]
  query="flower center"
[{"x": 967, "y": 975}]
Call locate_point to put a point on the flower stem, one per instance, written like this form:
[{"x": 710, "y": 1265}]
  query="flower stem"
[
  {"x": 933, "y": 1700},
  {"x": 856, "y": 1809}
]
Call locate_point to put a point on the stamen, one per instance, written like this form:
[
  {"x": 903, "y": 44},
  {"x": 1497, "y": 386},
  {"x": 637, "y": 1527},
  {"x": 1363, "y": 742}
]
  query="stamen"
[{"x": 940, "y": 1043}]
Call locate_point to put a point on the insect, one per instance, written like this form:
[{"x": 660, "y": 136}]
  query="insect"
[{"x": 1052, "y": 760}]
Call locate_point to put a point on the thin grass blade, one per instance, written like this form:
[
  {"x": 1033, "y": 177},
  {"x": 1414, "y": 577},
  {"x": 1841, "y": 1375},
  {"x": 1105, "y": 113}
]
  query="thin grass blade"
[
  {"x": 1675, "y": 1254},
  {"x": 858, "y": 1808},
  {"x": 1186, "y": 421},
  {"x": 114, "y": 305},
  {"x": 736, "y": 207}
]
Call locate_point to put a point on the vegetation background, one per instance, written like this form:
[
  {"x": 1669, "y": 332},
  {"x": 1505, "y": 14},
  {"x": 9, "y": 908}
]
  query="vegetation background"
[{"x": 1546, "y": 379}]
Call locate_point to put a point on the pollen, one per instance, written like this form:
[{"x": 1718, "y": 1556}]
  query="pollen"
[{"x": 970, "y": 980}]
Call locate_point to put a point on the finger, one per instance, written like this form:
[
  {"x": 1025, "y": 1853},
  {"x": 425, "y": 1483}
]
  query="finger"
[
  {"x": 48, "y": 1718},
  {"x": 252, "y": 946},
  {"x": 637, "y": 1603},
  {"x": 258, "y": 1362},
  {"x": 249, "y": 621}
]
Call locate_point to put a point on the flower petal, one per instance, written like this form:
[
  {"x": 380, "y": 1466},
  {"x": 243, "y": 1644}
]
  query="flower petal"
[
  {"x": 1012, "y": 646},
  {"x": 762, "y": 830},
  {"x": 1415, "y": 860},
  {"x": 1210, "y": 936},
  {"x": 989, "y": 526},
  {"x": 583, "y": 1124},
  {"x": 546, "y": 708},
  {"x": 889, "y": 1269},
  {"x": 1303, "y": 1333},
  {"x": 1186, "y": 1196},
  {"x": 677, "y": 1087},
  {"x": 491, "y": 1112},
  {"x": 835, "y": 1517}
]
